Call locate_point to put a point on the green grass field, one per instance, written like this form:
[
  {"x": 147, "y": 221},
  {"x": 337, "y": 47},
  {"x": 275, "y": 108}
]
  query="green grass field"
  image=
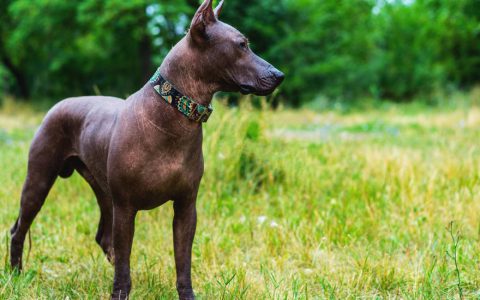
[{"x": 294, "y": 205}]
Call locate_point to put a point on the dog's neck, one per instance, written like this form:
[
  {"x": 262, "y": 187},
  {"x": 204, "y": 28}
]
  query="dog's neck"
[{"x": 182, "y": 69}]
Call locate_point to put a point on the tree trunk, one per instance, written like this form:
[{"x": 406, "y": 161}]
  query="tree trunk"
[
  {"x": 146, "y": 57},
  {"x": 23, "y": 89},
  {"x": 145, "y": 46}
]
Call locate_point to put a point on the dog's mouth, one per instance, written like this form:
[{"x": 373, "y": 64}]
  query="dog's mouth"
[
  {"x": 247, "y": 89},
  {"x": 250, "y": 90},
  {"x": 267, "y": 86},
  {"x": 264, "y": 91}
]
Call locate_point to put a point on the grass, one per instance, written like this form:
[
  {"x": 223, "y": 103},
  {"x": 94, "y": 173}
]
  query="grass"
[{"x": 293, "y": 205}]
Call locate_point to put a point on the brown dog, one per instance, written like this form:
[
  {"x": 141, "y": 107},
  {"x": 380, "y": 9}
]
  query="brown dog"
[{"x": 140, "y": 153}]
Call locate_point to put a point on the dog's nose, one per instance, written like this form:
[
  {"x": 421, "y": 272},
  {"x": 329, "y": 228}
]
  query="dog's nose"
[{"x": 278, "y": 75}]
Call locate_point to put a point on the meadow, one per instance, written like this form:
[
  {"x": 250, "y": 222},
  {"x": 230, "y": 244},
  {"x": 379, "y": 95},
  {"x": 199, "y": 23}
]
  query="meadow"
[{"x": 379, "y": 202}]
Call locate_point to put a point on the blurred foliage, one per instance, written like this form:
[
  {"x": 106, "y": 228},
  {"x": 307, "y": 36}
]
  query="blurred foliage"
[
  {"x": 329, "y": 49},
  {"x": 429, "y": 45}
]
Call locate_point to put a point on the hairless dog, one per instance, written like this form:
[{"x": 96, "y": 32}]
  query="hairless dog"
[{"x": 140, "y": 153}]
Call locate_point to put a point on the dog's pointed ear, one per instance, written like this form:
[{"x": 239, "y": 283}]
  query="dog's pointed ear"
[
  {"x": 202, "y": 19},
  {"x": 218, "y": 9}
]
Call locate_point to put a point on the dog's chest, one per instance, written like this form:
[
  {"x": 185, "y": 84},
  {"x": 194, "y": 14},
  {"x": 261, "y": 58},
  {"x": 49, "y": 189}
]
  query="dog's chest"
[
  {"x": 163, "y": 177},
  {"x": 149, "y": 167},
  {"x": 172, "y": 174}
]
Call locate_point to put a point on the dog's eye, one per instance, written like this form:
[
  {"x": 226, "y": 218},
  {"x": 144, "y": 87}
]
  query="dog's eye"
[{"x": 243, "y": 45}]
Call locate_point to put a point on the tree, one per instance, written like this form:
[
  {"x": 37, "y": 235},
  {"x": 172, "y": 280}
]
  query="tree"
[
  {"x": 6, "y": 58},
  {"x": 75, "y": 47},
  {"x": 345, "y": 49}
]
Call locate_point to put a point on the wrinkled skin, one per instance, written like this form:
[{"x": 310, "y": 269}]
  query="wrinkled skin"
[{"x": 140, "y": 153}]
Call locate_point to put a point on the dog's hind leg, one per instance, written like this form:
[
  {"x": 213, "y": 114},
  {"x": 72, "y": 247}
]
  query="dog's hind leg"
[
  {"x": 105, "y": 226},
  {"x": 43, "y": 168}
]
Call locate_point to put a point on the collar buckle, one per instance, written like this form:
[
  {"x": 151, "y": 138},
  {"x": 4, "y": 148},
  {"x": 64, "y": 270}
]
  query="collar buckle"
[{"x": 200, "y": 113}]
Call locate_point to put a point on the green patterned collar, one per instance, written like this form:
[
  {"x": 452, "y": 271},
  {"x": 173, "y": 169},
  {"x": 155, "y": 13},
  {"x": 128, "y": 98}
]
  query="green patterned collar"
[{"x": 188, "y": 107}]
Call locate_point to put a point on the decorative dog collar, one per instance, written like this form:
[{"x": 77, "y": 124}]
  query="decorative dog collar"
[{"x": 188, "y": 107}]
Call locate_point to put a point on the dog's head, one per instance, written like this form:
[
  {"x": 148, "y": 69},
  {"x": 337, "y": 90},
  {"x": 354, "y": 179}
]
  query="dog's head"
[{"x": 227, "y": 57}]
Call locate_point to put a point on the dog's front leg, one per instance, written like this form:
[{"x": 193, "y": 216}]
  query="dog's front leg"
[
  {"x": 184, "y": 225},
  {"x": 123, "y": 230}
]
